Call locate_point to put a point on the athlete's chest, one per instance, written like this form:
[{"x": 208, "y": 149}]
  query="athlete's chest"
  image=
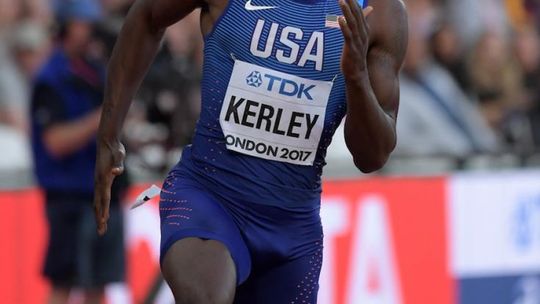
[
  {"x": 274, "y": 68},
  {"x": 299, "y": 37}
]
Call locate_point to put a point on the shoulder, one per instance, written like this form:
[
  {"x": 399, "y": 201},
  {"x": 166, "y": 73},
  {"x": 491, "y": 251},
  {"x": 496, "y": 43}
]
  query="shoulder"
[
  {"x": 388, "y": 25},
  {"x": 387, "y": 15}
]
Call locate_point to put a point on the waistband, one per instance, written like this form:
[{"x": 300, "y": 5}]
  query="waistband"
[{"x": 242, "y": 189}]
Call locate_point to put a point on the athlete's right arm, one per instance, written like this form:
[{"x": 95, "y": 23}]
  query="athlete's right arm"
[{"x": 133, "y": 53}]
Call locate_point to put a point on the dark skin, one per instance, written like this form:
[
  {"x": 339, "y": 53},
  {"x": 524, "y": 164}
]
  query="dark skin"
[
  {"x": 373, "y": 53},
  {"x": 372, "y": 56}
]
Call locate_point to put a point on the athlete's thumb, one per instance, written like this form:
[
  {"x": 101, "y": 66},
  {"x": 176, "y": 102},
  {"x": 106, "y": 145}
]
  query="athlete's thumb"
[
  {"x": 117, "y": 170},
  {"x": 366, "y": 11},
  {"x": 118, "y": 160}
]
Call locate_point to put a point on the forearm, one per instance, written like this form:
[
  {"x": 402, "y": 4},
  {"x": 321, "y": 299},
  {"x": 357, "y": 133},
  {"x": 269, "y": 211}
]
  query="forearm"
[
  {"x": 134, "y": 51},
  {"x": 66, "y": 138},
  {"x": 369, "y": 131}
]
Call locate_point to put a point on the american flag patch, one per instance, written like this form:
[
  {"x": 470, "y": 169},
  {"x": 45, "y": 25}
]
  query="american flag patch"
[{"x": 331, "y": 21}]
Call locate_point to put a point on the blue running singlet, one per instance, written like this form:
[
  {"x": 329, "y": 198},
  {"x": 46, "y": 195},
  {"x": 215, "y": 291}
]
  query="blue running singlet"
[{"x": 272, "y": 97}]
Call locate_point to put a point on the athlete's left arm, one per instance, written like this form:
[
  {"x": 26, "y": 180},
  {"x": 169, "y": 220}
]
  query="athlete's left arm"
[{"x": 372, "y": 56}]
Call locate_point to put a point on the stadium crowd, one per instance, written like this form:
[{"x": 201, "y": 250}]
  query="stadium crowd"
[{"x": 470, "y": 83}]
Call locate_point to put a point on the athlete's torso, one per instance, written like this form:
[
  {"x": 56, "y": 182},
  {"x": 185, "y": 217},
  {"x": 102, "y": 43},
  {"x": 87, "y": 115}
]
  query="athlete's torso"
[{"x": 272, "y": 96}]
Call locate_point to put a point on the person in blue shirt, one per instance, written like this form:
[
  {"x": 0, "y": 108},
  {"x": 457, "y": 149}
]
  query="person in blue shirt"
[
  {"x": 65, "y": 113},
  {"x": 240, "y": 212}
]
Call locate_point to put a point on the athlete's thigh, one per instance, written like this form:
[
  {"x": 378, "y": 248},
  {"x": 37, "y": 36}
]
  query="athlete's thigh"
[
  {"x": 200, "y": 271},
  {"x": 187, "y": 211},
  {"x": 294, "y": 282},
  {"x": 203, "y": 255}
]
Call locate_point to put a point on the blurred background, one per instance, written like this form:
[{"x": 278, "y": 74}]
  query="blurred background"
[{"x": 454, "y": 217}]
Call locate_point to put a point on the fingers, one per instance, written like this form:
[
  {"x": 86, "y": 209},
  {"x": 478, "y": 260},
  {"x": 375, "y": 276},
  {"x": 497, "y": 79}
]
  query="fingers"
[
  {"x": 109, "y": 164},
  {"x": 349, "y": 18},
  {"x": 101, "y": 202},
  {"x": 355, "y": 9},
  {"x": 359, "y": 13},
  {"x": 355, "y": 17},
  {"x": 347, "y": 34},
  {"x": 362, "y": 17}
]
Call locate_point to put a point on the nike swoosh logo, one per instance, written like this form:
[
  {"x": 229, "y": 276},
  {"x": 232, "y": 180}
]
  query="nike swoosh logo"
[{"x": 251, "y": 7}]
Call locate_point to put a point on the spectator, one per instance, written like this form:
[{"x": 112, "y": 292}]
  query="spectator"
[
  {"x": 65, "y": 114},
  {"x": 497, "y": 80},
  {"x": 436, "y": 117},
  {"x": 527, "y": 49},
  {"x": 532, "y": 8},
  {"x": 473, "y": 17},
  {"x": 12, "y": 11},
  {"x": 448, "y": 52},
  {"x": 9, "y": 12},
  {"x": 28, "y": 45}
]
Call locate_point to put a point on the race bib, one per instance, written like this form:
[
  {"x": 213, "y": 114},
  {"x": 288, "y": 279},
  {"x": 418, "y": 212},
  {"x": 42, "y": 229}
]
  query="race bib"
[{"x": 274, "y": 115}]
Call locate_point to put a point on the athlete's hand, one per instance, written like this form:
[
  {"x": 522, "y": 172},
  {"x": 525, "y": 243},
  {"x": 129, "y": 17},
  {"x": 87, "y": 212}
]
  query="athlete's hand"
[
  {"x": 355, "y": 31},
  {"x": 109, "y": 164}
]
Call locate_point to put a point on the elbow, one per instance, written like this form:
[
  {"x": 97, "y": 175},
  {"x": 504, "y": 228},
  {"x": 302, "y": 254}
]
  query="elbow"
[
  {"x": 145, "y": 14},
  {"x": 371, "y": 160},
  {"x": 54, "y": 145},
  {"x": 372, "y": 163},
  {"x": 141, "y": 19}
]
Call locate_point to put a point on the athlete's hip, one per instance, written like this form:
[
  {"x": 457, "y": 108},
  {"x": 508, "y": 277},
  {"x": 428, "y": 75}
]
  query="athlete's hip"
[{"x": 278, "y": 231}]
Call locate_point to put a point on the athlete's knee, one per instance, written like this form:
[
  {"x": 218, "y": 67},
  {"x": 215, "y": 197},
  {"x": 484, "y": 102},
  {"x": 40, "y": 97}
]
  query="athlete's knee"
[
  {"x": 184, "y": 294},
  {"x": 191, "y": 290}
]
